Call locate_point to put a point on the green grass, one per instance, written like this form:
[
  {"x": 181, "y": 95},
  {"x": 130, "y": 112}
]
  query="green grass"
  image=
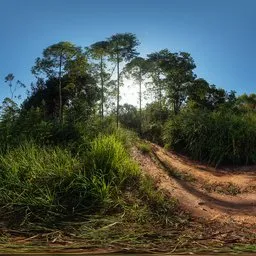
[
  {"x": 244, "y": 248},
  {"x": 37, "y": 183},
  {"x": 144, "y": 147},
  {"x": 46, "y": 184},
  {"x": 109, "y": 159}
]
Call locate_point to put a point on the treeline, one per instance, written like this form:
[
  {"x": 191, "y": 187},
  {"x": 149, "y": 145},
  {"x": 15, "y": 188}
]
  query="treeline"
[{"x": 77, "y": 95}]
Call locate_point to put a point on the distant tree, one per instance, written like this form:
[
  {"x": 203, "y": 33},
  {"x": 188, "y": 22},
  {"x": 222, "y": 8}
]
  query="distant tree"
[
  {"x": 122, "y": 48},
  {"x": 178, "y": 69},
  {"x": 170, "y": 75},
  {"x": 137, "y": 69},
  {"x": 197, "y": 93},
  {"x": 202, "y": 95},
  {"x": 99, "y": 51},
  {"x": 247, "y": 102},
  {"x": 156, "y": 74},
  {"x": 216, "y": 97},
  {"x": 129, "y": 117},
  {"x": 13, "y": 87},
  {"x": 59, "y": 59}
]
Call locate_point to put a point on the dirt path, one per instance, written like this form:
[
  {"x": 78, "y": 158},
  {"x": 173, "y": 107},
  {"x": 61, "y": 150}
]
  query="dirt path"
[
  {"x": 208, "y": 174},
  {"x": 240, "y": 209}
]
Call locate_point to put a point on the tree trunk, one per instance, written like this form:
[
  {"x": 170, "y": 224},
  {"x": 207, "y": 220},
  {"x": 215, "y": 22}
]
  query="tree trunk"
[
  {"x": 102, "y": 87},
  {"x": 140, "y": 100},
  {"x": 60, "y": 93},
  {"x": 117, "y": 105}
]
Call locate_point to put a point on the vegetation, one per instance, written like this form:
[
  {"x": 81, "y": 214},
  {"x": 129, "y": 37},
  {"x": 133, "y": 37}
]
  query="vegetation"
[
  {"x": 145, "y": 148},
  {"x": 65, "y": 151}
]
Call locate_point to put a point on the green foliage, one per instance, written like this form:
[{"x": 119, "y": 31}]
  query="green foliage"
[
  {"x": 216, "y": 137},
  {"x": 247, "y": 102},
  {"x": 129, "y": 117},
  {"x": 123, "y": 46},
  {"x": 127, "y": 137},
  {"x": 153, "y": 120}
]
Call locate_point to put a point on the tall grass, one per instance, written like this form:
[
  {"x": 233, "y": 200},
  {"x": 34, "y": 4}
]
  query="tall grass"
[
  {"x": 39, "y": 180},
  {"x": 42, "y": 183},
  {"x": 215, "y": 137},
  {"x": 109, "y": 158}
]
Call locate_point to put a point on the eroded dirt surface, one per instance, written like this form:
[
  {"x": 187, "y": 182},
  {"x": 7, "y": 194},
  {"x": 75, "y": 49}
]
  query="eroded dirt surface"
[{"x": 237, "y": 209}]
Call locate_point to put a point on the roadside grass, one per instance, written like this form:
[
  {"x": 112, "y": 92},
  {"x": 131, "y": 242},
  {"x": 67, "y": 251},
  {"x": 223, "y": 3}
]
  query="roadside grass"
[
  {"x": 250, "y": 248},
  {"x": 43, "y": 184}
]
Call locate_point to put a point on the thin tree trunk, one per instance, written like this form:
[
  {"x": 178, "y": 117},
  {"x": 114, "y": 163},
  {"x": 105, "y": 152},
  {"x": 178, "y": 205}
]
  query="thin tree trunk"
[
  {"x": 160, "y": 93},
  {"x": 117, "y": 105},
  {"x": 10, "y": 86},
  {"x": 102, "y": 87},
  {"x": 140, "y": 96},
  {"x": 160, "y": 96},
  {"x": 60, "y": 93}
]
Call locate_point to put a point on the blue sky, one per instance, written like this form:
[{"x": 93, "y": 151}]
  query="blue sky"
[{"x": 220, "y": 34}]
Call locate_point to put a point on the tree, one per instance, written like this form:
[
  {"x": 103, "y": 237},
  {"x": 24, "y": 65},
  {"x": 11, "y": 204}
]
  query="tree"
[
  {"x": 99, "y": 51},
  {"x": 156, "y": 73},
  {"x": 83, "y": 92},
  {"x": 247, "y": 102},
  {"x": 202, "y": 95},
  {"x": 59, "y": 59},
  {"x": 122, "y": 48},
  {"x": 197, "y": 93},
  {"x": 171, "y": 73},
  {"x": 178, "y": 70},
  {"x": 129, "y": 117},
  {"x": 137, "y": 68},
  {"x": 13, "y": 87}
]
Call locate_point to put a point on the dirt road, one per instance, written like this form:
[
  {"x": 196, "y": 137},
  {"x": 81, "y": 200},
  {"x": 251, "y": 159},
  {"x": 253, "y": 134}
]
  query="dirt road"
[{"x": 204, "y": 192}]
